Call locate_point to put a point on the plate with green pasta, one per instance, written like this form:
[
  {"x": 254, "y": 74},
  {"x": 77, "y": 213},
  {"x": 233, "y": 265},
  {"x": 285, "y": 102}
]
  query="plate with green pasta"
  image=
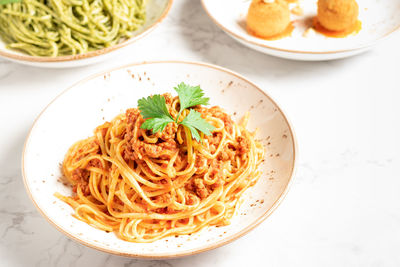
[{"x": 69, "y": 33}]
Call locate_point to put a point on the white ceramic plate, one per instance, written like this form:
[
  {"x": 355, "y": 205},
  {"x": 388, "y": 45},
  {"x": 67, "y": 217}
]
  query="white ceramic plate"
[
  {"x": 75, "y": 113},
  {"x": 156, "y": 10},
  {"x": 379, "y": 19}
]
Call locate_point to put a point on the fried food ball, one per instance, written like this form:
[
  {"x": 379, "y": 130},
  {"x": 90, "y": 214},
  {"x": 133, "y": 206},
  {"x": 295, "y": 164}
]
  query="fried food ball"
[
  {"x": 267, "y": 18},
  {"x": 337, "y": 15}
]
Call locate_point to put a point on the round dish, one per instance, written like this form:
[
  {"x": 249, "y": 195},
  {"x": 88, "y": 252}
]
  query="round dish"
[
  {"x": 59, "y": 126},
  {"x": 379, "y": 19},
  {"x": 156, "y": 10}
]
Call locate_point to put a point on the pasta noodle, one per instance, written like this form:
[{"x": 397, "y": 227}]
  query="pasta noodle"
[
  {"x": 51, "y": 28},
  {"x": 146, "y": 186}
]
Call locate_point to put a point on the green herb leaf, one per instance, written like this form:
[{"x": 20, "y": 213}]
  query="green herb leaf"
[
  {"x": 194, "y": 122},
  {"x": 156, "y": 124},
  {"x": 153, "y": 107},
  {"x": 190, "y": 96},
  {"x": 3, "y": 2}
]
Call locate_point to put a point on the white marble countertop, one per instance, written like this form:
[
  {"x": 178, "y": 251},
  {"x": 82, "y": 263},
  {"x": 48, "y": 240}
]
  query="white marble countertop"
[{"x": 344, "y": 206}]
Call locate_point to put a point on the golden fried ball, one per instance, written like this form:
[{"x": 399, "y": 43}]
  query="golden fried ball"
[
  {"x": 337, "y": 15},
  {"x": 267, "y": 18}
]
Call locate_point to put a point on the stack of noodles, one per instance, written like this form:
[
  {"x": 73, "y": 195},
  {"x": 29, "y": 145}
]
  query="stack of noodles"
[
  {"x": 145, "y": 186},
  {"x": 51, "y": 28}
]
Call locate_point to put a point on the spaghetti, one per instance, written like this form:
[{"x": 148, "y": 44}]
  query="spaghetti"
[
  {"x": 50, "y": 28},
  {"x": 146, "y": 186}
]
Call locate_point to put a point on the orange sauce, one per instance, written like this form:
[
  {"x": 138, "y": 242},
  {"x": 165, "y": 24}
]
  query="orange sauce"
[
  {"x": 336, "y": 34},
  {"x": 287, "y": 32}
]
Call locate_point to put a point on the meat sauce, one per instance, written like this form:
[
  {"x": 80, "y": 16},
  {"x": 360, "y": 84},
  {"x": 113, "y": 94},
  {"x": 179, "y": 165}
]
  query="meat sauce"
[{"x": 167, "y": 145}]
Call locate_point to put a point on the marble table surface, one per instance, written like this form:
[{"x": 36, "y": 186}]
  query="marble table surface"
[{"x": 344, "y": 206}]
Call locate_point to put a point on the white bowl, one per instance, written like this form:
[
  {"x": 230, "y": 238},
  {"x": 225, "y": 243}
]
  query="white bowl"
[
  {"x": 379, "y": 19},
  {"x": 77, "y": 111},
  {"x": 156, "y": 10}
]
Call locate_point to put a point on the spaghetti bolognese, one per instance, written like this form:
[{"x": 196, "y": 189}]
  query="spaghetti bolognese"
[{"x": 147, "y": 183}]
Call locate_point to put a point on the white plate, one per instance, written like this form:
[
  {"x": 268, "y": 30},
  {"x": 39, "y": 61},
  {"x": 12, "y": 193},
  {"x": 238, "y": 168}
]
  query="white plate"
[
  {"x": 379, "y": 19},
  {"x": 75, "y": 113},
  {"x": 156, "y": 10}
]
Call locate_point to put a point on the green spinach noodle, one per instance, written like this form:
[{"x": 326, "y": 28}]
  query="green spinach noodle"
[{"x": 50, "y": 28}]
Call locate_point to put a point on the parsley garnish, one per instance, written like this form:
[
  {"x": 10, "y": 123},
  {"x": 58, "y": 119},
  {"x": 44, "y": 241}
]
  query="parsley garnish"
[
  {"x": 190, "y": 96},
  {"x": 154, "y": 109},
  {"x": 194, "y": 122}
]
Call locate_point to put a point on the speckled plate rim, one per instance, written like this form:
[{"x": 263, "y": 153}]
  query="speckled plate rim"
[
  {"x": 23, "y": 57},
  {"x": 240, "y": 37},
  {"x": 204, "y": 248}
]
